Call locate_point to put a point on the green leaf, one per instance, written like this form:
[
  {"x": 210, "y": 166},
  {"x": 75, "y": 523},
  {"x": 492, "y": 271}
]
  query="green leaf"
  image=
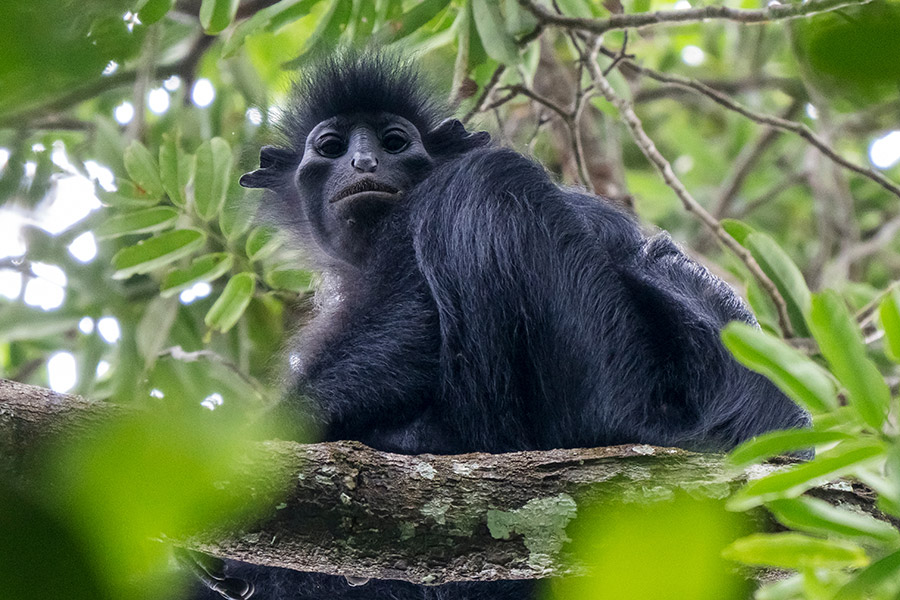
[
  {"x": 492, "y": 30},
  {"x": 794, "y": 551},
  {"x": 156, "y": 252},
  {"x": 176, "y": 169},
  {"x": 141, "y": 221},
  {"x": 889, "y": 311},
  {"x": 519, "y": 21},
  {"x": 795, "y": 374},
  {"x": 21, "y": 322},
  {"x": 791, "y": 483},
  {"x": 151, "y": 11},
  {"x": 262, "y": 242},
  {"x": 143, "y": 170},
  {"x": 761, "y": 304},
  {"x": 127, "y": 196},
  {"x": 884, "y": 571},
  {"x": 785, "y": 275},
  {"x": 411, "y": 20},
  {"x": 154, "y": 327},
  {"x": 817, "y": 516},
  {"x": 842, "y": 345},
  {"x": 640, "y": 6},
  {"x": 212, "y": 177},
  {"x": 738, "y": 230},
  {"x": 294, "y": 280},
  {"x": 362, "y": 20},
  {"x": 270, "y": 18},
  {"x": 579, "y": 8},
  {"x": 843, "y": 419},
  {"x": 229, "y": 307},
  {"x": 328, "y": 32},
  {"x": 775, "y": 443},
  {"x": 208, "y": 267},
  {"x": 237, "y": 214},
  {"x": 216, "y": 15}
]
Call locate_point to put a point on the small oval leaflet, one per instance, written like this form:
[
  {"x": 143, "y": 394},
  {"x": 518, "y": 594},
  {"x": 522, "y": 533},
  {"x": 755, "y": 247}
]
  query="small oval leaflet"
[
  {"x": 229, "y": 307},
  {"x": 204, "y": 268},
  {"x": 141, "y": 221},
  {"x": 156, "y": 252}
]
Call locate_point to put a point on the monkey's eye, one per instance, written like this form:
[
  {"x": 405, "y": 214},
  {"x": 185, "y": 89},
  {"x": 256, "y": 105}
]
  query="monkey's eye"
[
  {"x": 330, "y": 146},
  {"x": 395, "y": 141}
]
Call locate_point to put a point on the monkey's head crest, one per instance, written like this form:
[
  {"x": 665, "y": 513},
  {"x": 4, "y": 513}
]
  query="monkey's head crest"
[{"x": 355, "y": 81}]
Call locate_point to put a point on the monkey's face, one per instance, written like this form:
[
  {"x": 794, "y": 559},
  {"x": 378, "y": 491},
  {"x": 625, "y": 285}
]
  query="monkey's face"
[{"x": 354, "y": 169}]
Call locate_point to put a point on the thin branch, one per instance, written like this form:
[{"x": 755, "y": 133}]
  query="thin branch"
[
  {"x": 775, "y": 11},
  {"x": 882, "y": 237},
  {"x": 690, "y": 204},
  {"x": 744, "y": 165},
  {"x": 178, "y": 353},
  {"x": 797, "y": 128},
  {"x": 791, "y": 87},
  {"x": 773, "y": 192},
  {"x": 546, "y": 102},
  {"x": 485, "y": 93},
  {"x": 184, "y": 68},
  {"x": 866, "y": 315}
]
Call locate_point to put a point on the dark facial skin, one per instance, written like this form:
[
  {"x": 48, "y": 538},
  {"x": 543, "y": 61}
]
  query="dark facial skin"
[{"x": 354, "y": 169}]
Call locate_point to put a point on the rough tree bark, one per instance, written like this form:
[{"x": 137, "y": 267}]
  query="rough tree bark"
[{"x": 428, "y": 519}]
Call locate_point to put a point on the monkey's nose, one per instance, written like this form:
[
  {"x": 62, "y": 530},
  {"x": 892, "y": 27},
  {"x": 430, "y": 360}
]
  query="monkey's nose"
[{"x": 364, "y": 162}]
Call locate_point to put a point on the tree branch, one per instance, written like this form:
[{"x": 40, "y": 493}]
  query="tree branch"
[
  {"x": 775, "y": 11},
  {"x": 800, "y": 129},
  {"x": 690, "y": 203},
  {"x": 358, "y": 512}
]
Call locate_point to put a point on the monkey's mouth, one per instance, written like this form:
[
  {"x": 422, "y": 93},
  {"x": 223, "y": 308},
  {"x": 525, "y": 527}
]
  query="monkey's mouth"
[{"x": 369, "y": 187}]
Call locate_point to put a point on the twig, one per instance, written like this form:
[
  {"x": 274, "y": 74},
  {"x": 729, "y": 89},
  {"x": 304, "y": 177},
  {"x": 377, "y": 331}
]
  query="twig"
[
  {"x": 485, "y": 93},
  {"x": 866, "y": 315},
  {"x": 773, "y": 192},
  {"x": 690, "y": 204},
  {"x": 799, "y": 129},
  {"x": 183, "y": 68},
  {"x": 744, "y": 165},
  {"x": 884, "y": 236},
  {"x": 728, "y": 86},
  {"x": 177, "y": 353},
  {"x": 775, "y": 11}
]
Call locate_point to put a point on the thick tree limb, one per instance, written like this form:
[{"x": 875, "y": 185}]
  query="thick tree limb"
[{"x": 428, "y": 519}]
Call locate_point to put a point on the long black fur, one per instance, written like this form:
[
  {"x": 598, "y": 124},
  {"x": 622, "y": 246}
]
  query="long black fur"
[{"x": 498, "y": 311}]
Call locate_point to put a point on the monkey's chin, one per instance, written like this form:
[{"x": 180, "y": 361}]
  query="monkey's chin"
[
  {"x": 368, "y": 198},
  {"x": 366, "y": 207}
]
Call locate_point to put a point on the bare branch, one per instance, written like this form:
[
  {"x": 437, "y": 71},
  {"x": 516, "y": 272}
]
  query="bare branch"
[
  {"x": 775, "y": 11},
  {"x": 744, "y": 165},
  {"x": 799, "y": 129},
  {"x": 884, "y": 235},
  {"x": 485, "y": 94},
  {"x": 690, "y": 203}
]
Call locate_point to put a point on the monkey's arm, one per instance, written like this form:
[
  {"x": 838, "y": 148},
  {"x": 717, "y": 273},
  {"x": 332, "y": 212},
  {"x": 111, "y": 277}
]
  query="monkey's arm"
[{"x": 371, "y": 371}]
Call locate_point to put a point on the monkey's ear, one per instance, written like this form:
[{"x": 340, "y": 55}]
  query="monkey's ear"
[
  {"x": 451, "y": 137},
  {"x": 273, "y": 163}
]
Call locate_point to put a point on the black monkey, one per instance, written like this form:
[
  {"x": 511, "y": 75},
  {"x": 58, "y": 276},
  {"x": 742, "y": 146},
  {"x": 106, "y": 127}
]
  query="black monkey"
[{"x": 470, "y": 303}]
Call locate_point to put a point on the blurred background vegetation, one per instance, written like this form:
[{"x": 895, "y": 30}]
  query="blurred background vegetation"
[{"x": 131, "y": 267}]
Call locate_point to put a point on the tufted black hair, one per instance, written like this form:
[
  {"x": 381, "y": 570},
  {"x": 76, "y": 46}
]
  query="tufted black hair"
[{"x": 349, "y": 81}]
